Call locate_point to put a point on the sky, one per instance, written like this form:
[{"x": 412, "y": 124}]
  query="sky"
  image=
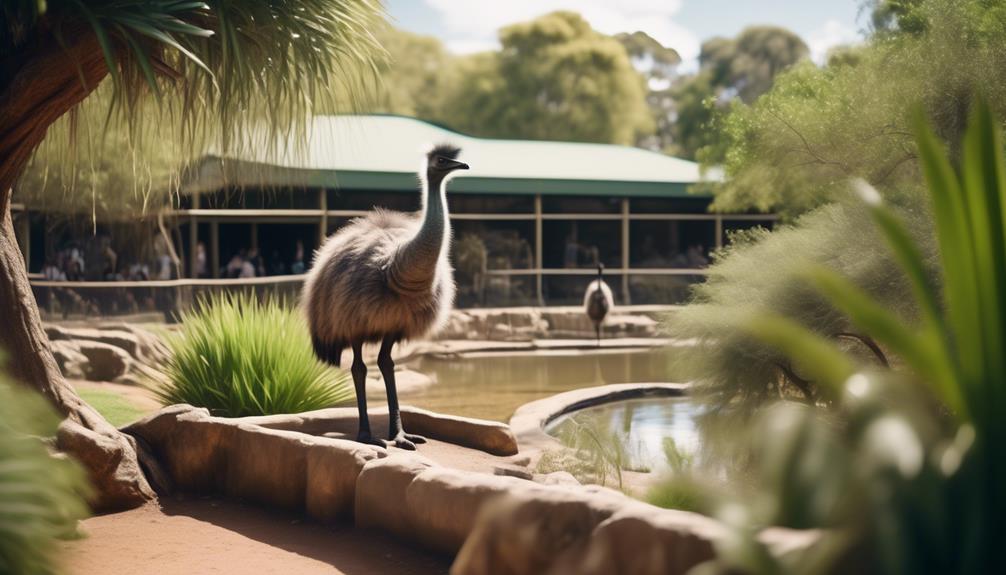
[{"x": 467, "y": 26}]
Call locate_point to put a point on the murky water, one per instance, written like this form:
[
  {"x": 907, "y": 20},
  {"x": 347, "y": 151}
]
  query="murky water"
[
  {"x": 654, "y": 433},
  {"x": 492, "y": 386}
]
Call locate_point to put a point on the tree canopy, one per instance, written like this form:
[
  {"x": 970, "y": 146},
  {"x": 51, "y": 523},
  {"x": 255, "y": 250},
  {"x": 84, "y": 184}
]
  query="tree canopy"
[{"x": 555, "y": 78}]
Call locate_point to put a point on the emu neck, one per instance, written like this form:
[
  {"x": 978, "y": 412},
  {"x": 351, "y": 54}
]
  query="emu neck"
[{"x": 415, "y": 264}]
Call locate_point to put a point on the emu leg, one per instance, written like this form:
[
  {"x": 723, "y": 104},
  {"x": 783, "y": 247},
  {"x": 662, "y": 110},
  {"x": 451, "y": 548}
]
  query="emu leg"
[
  {"x": 396, "y": 435},
  {"x": 359, "y": 371}
]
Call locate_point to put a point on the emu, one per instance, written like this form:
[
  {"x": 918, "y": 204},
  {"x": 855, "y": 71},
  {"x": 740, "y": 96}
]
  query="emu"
[
  {"x": 385, "y": 278},
  {"x": 597, "y": 302}
]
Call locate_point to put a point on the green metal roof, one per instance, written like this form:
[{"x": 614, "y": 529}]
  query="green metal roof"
[{"x": 384, "y": 152}]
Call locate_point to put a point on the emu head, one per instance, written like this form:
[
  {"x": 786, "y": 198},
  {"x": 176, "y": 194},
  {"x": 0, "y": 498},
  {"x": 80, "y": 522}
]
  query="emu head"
[{"x": 443, "y": 159}]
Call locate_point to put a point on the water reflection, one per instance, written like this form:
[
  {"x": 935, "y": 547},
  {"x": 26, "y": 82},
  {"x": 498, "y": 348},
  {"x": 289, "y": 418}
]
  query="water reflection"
[
  {"x": 641, "y": 426},
  {"x": 492, "y": 386}
]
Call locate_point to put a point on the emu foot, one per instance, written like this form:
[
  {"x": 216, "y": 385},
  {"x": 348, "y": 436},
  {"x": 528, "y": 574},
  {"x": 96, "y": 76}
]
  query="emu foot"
[
  {"x": 366, "y": 437},
  {"x": 406, "y": 441}
]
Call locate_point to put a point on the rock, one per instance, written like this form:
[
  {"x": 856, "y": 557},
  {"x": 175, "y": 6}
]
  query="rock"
[
  {"x": 118, "y": 481},
  {"x": 557, "y": 478},
  {"x": 218, "y": 456},
  {"x": 72, "y": 363},
  {"x": 528, "y": 527},
  {"x": 644, "y": 540},
  {"x": 381, "y": 493},
  {"x": 406, "y": 381},
  {"x": 517, "y": 471},
  {"x": 489, "y": 436},
  {"x": 105, "y": 362}
]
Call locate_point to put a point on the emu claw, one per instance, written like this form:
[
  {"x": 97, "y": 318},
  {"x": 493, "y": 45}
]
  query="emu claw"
[
  {"x": 415, "y": 438},
  {"x": 406, "y": 441},
  {"x": 369, "y": 439}
]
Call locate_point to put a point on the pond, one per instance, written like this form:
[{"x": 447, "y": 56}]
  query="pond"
[
  {"x": 652, "y": 433},
  {"x": 494, "y": 385}
]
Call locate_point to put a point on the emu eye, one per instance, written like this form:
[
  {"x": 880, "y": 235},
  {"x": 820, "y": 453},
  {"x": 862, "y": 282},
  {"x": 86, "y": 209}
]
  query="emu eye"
[{"x": 440, "y": 161}]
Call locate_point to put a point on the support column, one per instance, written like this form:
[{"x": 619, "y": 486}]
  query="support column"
[
  {"x": 193, "y": 246},
  {"x": 323, "y": 225},
  {"x": 719, "y": 232},
  {"x": 215, "y": 248},
  {"x": 537, "y": 249},
  {"x": 626, "y": 298}
]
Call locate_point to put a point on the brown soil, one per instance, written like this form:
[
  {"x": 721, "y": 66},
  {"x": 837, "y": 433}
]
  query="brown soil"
[{"x": 196, "y": 536}]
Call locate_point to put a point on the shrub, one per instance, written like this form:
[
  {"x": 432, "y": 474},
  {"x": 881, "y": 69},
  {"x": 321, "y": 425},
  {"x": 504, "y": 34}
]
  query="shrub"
[
  {"x": 763, "y": 273},
  {"x": 908, "y": 478},
  {"x": 237, "y": 356},
  {"x": 41, "y": 497}
]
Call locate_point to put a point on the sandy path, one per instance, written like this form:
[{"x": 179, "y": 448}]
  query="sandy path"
[{"x": 192, "y": 537}]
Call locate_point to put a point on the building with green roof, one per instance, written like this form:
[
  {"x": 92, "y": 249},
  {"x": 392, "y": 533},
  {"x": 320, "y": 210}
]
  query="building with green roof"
[{"x": 531, "y": 219}]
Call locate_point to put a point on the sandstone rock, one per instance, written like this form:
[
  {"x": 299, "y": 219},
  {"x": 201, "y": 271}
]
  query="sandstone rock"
[
  {"x": 517, "y": 471},
  {"x": 105, "y": 362},
  {"x": 489, "y": 436},
  {"x": 72, "y": 363},
  {"x": 119, "y": 482},
  {"x": 333, "y": 466},
  {"x": 381, "y": 493},
  {"x": 644, "y": 540},
  {"x": 526, "y": 529},
  {"x": 557, "y": 478}
]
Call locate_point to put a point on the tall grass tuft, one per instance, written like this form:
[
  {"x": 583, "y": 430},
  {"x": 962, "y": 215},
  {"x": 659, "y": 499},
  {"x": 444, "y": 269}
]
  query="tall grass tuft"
[
  {"x": 41, "y": 496},
  {"x": 237, "y": 356}
]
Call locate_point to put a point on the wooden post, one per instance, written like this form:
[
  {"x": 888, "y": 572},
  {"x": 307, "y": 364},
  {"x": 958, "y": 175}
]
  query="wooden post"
[
  {"x": 323, "y": 225},
  {"x": 215, "y": 248},
  {"x": 626, "y": 298},
  {"x": 538, "y": 249}
]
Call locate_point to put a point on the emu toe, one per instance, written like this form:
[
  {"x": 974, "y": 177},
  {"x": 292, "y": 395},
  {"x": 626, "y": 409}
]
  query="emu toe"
[
  {"x": 366, "y": 437},
  {"x": 406, "y": 441}
]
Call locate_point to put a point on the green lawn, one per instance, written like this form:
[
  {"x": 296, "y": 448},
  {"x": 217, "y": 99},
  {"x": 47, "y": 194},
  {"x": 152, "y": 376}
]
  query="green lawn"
[{"x": 117, "y": 409}]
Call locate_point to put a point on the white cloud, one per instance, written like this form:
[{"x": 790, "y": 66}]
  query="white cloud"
[
  {"x": 471, "y": 25},
  {"x": 832, "y": 33}
]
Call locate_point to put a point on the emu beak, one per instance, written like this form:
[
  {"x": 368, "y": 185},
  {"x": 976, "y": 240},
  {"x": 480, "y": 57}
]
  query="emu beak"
[{"x": 455, "y": 165}]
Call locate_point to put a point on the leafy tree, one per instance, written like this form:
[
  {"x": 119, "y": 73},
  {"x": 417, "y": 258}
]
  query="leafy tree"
[
  {"x": 730, "y": 69},
  {"x": 215, "y": 68},
  {"x": 554, "y": 79},
  {"x": 792, "y": 149},
  {"x": 658, "y": 64}
]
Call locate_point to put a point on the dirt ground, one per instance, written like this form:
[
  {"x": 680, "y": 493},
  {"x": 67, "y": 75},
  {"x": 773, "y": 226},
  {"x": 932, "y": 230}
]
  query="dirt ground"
[{"x": 196, "y": 536}]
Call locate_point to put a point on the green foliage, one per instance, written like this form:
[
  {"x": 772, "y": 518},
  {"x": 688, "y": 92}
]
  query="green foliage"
[
  {"x": 229, "y": 67},
  {"x": 41, "y": 496},
  {"x": 762, "y": 272},
  {"x": 910, "y": 479},
  {"x": 596, "y": 453},
  {"x": 237, "y": 357},
  {"x": 556, "y": 79},
  {"x": 737, "y": 69},
  {"x": 795, "y": 147}
]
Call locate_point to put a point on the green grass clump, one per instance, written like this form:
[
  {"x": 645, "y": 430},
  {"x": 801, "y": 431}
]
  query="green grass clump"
[
  {"x": 117, "y": 409},
  {"x": 41, "y": 496},
  {"x": 237, "y": 356}
]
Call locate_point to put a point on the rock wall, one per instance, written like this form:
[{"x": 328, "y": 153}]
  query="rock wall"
[
  {"x": 526, "y": 323},
  {"x": 494, "y": 524}
]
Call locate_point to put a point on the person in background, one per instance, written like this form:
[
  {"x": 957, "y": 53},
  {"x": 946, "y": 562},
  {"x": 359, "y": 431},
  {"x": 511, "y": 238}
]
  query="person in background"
[
  {"x": 255, "y": 259},
  {"x": 234, "y": 266},
  {"x": 298, "y": 266},
  {"x": 276, "y": 265},
  {"x": 202, "y": 267},
  {"x": 52, "y": 272}
]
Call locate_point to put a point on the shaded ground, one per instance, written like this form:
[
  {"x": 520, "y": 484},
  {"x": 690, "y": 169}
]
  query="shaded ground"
[{"x": 185, "y": 537}]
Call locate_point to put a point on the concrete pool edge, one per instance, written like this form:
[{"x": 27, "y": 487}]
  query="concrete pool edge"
[{"x": 529, "y": 420}]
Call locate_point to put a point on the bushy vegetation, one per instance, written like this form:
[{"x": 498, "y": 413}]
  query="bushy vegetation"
[
  {"x": 237, "y": 356},
  {"x": 762, "y": 271},
  {"x": 41, "y": 496},
  {"x": 905, "y": 475}
]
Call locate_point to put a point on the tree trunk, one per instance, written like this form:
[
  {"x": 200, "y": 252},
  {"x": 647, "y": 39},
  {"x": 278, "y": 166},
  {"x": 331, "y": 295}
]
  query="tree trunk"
[{"x": 43, "y": 83}]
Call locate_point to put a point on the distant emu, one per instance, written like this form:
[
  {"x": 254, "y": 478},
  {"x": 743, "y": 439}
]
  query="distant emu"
[
  {"x": 385, "y": 277},
  {"x": 597, "y": 302}
]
